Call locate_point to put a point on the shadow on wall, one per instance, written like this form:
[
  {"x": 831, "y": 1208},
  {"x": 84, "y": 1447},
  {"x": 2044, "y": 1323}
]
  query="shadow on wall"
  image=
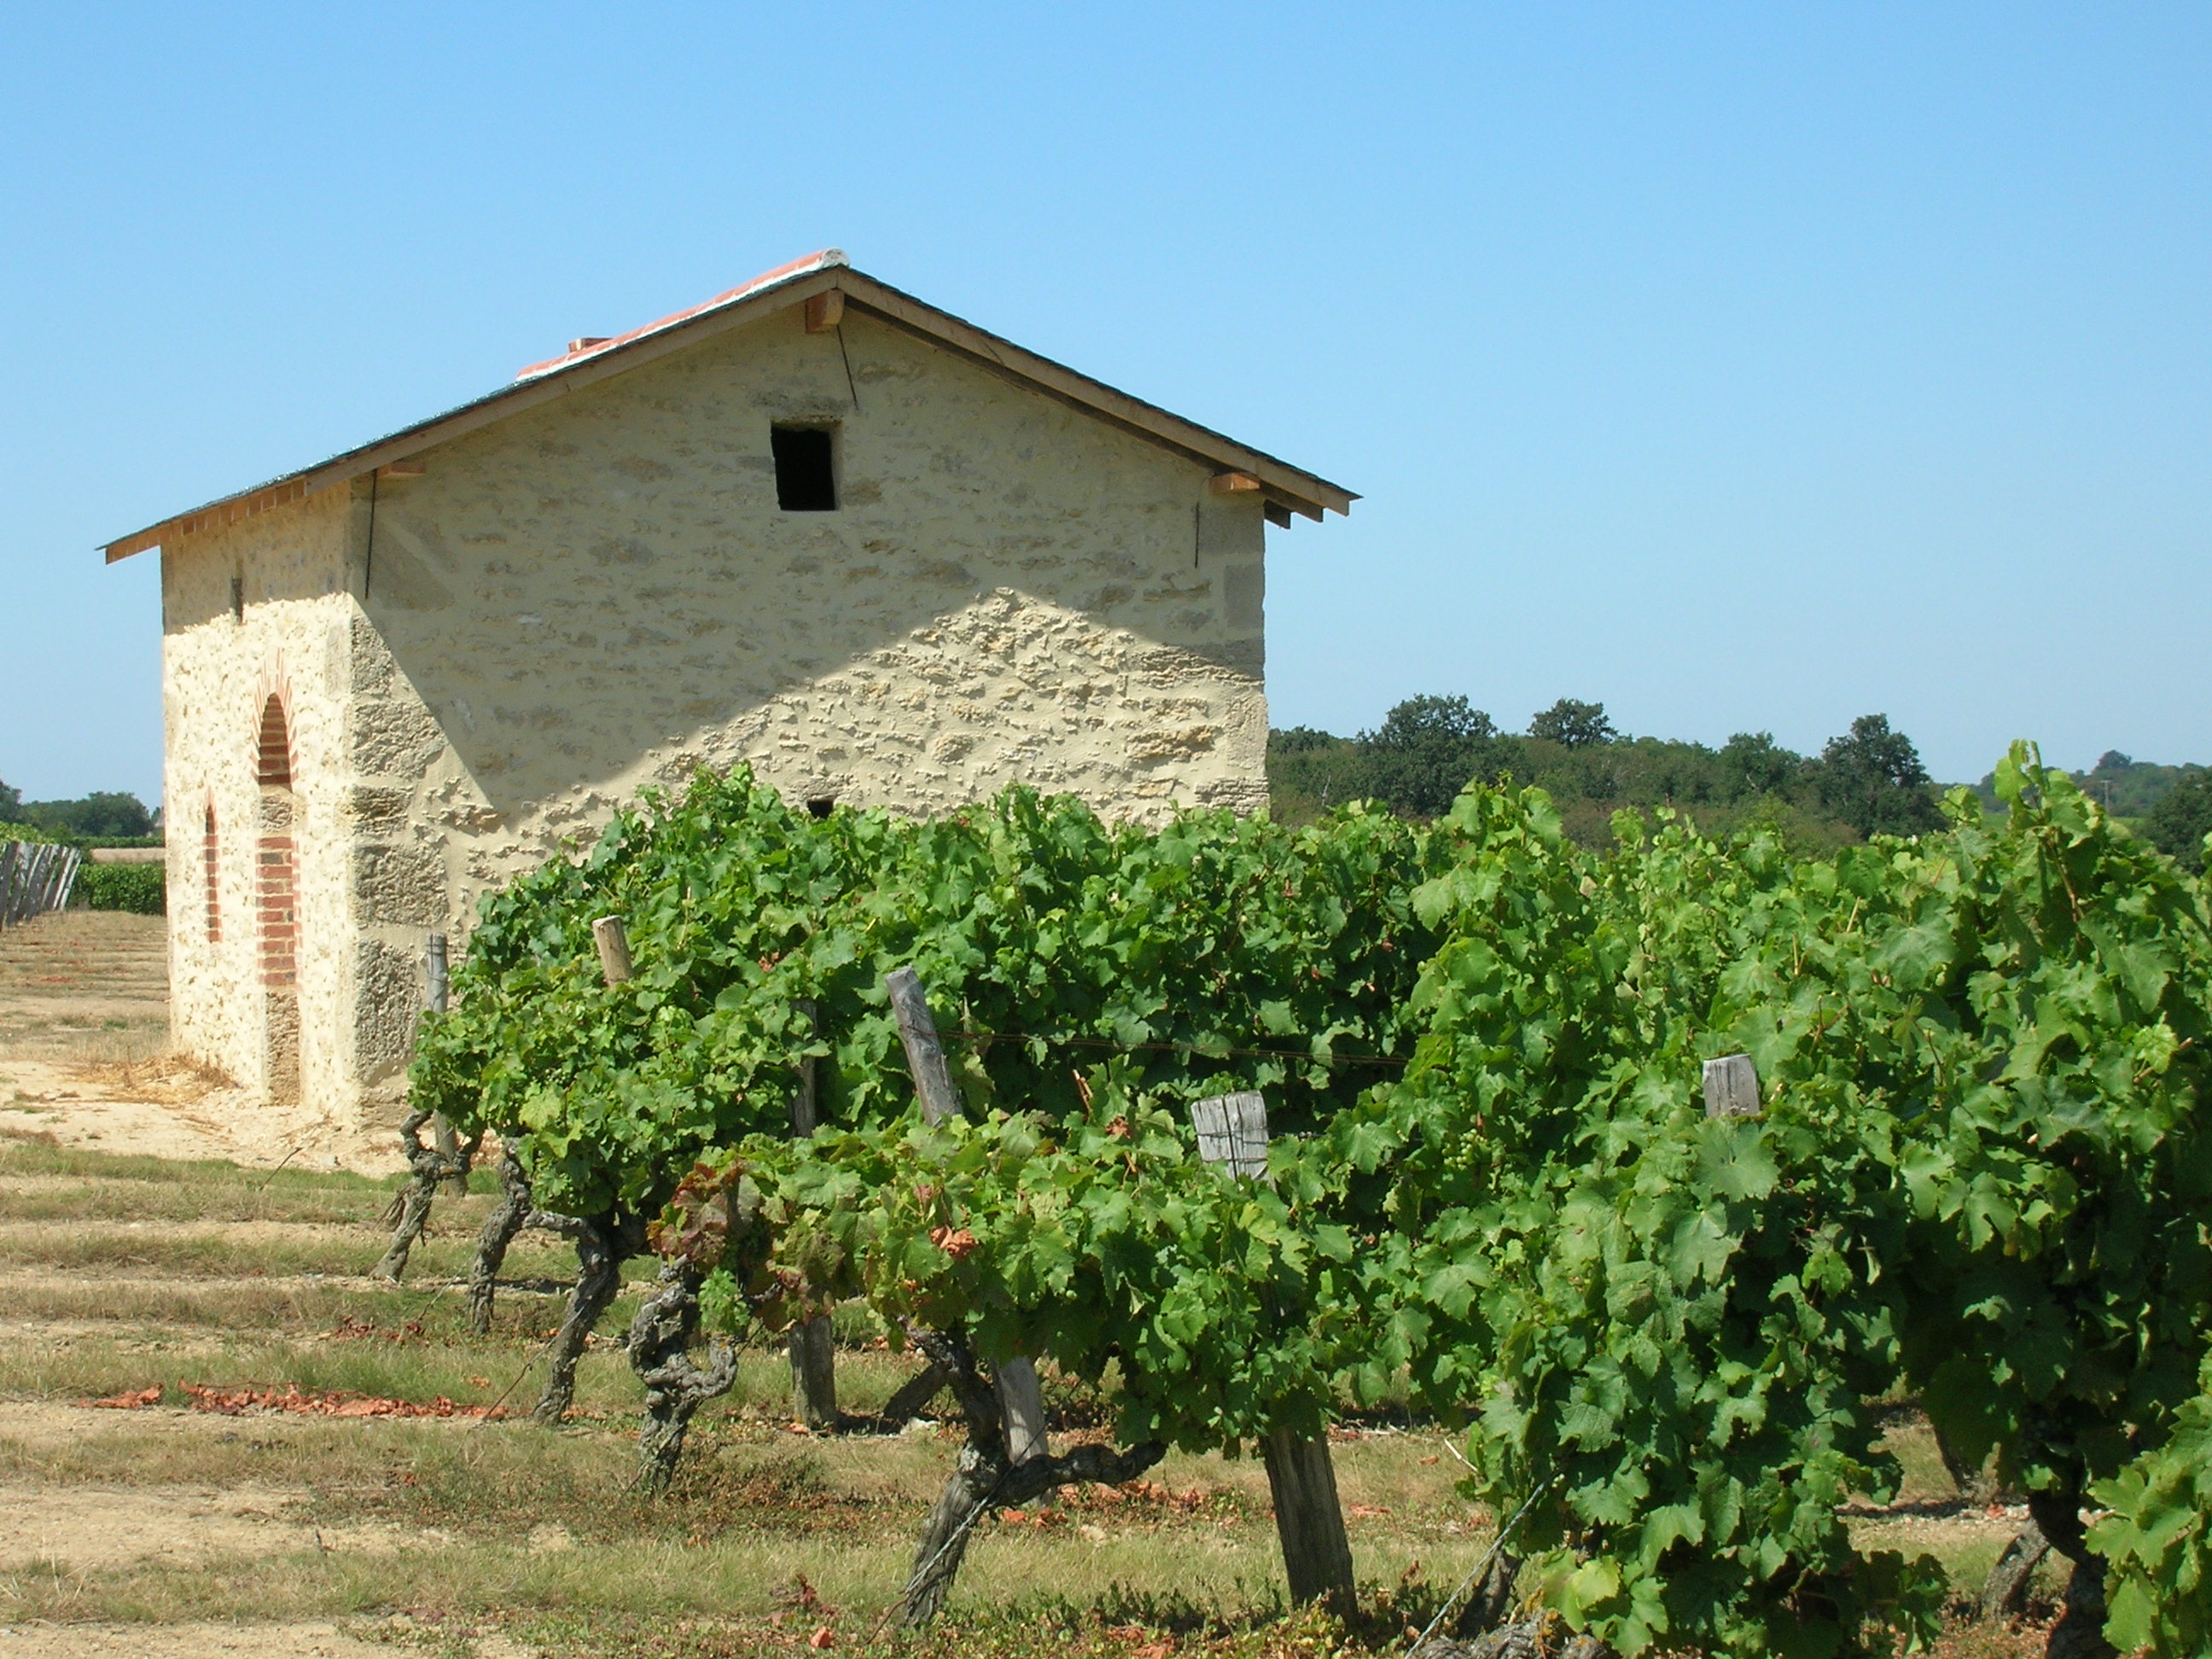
[{"x": 1003, "y": 588}]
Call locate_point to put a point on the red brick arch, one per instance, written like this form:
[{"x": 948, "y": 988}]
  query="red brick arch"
[
  {"x": 276, "y": 886},
  {"x": 272, "y": 755},
  {"x": 211, "y": 866}
]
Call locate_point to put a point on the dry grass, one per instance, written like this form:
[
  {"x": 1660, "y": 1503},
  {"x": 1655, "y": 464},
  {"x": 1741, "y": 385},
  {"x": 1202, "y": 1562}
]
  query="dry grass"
[
  {"x": 164, "y": 1077},
  {"x": 85, "y": 986},
  {"x": 120, "y": 1274}
]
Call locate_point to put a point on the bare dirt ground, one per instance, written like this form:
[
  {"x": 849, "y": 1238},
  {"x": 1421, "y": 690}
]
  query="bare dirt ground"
[
  {"x": 85, "y": 1061},
  {"x": 315, "y": 1639},
  {"x": 85, "y": 1057}
]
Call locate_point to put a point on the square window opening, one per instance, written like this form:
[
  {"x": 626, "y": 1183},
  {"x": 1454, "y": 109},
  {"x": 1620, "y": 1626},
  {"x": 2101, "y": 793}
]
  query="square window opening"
[{"x": 805, "y": 468}]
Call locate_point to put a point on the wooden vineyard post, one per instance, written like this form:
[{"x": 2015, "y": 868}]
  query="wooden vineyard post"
[
  {"x": 1731, "y": 1087},
  {"x": 614, "y": 949},
  {"x": 924, "y": 1054},
  {"x": 437, "y": 982},
  {"x": 437, "y": 989},
  {"x": 1232, "y": 1132},
  {"x": 813, "y": 1343},
  {"x": 1021, "y": 1399}
]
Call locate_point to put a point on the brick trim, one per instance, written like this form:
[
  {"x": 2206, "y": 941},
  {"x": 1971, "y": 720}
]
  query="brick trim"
[
  {"x": 273, "y": 752},
  {"x": 276, "y": 902},
  {"x": 212, "y": 866}
]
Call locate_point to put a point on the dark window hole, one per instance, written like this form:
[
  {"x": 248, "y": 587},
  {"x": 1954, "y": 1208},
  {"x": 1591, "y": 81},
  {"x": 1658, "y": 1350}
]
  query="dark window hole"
[
  {"x": 822, "y": 805},
  {"x": 806, "y": 469}
]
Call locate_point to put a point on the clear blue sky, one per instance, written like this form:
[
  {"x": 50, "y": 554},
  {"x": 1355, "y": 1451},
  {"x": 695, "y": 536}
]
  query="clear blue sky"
[{"x": 1742, "y": 367}]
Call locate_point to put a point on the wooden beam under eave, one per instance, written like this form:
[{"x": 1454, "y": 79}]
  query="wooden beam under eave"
[
  {"x": 1233, "y": 484},
  {"x": 825, "y": 310},
  {"x": 1278, "y": 515},
  {"x": 118, "y": 552}
]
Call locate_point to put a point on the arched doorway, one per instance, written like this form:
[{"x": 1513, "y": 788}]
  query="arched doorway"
[{"x": 277, "y": 901}]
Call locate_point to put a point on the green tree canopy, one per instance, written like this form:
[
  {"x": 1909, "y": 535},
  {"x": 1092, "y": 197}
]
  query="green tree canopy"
[
  {"x": 1425, "y": 751},
  {"x": 1752, "y": 763},
  {"x": 2180, "y": 823},
  {"x": 103, "y": 814},
  {"x": 1872, "y": 780},
  {"x": 1573, "y": 725}
]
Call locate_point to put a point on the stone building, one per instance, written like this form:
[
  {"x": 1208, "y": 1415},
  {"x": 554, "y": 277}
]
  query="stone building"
[{"x": 813, "y": 524}]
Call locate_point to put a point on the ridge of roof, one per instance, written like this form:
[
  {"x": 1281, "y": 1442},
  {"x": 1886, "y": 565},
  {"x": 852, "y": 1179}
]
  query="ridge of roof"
[
  {"x": 826, "y": 259},
  {"x": 584, "y": 362}
]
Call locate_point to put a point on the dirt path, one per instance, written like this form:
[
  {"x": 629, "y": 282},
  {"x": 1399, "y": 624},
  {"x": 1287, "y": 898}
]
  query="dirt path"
[
  {"x": 84, "y": 1057},
  {"x": 294, "y": 1641}
]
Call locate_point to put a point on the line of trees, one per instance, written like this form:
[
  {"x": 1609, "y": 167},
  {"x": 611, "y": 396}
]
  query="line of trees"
[
  {"x": 2123, "y": 786},
  {"x": 104, "y": 814},
  {"x": 1868, "y": 780}
]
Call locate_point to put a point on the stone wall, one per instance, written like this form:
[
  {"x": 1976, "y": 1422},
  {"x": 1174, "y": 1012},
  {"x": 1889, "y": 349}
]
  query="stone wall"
[
  {"x": 254, "y": 610},
  {"x": 601, "y": 594}
]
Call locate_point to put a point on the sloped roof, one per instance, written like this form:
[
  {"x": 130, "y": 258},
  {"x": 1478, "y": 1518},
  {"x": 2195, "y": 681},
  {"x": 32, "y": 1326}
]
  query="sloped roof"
[{"x": 590, "y": 361}]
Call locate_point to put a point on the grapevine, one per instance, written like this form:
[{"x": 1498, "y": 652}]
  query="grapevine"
[{"x": 1978, "y": 1172}]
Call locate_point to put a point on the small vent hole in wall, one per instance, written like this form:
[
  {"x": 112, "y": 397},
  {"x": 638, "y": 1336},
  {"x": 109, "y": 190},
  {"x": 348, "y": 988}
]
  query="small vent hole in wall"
[
  {"x": 822, "y": 806},
  {"x": 806, "y": 469}
]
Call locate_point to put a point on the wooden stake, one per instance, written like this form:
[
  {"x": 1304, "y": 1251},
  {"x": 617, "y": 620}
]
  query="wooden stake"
[
  {"x": 1021, "y": 1407},
  {"x": 814, "y": 1372},
  {"x": 804, "y": 1116},
  {"x": 813, "y": 1344},
  {"x": 1731, "y": 1087},
  {"x": 1309, "y": 1520},
  {"x": 1232, "y": 1132},
  {"x": 614, "y": 949},
  {"x": 1021, "y": 1401},
  {"x": 925, "y": 1055},
  {"x": 436, "y": 984}
]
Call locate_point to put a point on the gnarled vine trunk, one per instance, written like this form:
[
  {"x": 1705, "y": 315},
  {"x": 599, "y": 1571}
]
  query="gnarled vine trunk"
[
  {"x": 1492, "y": 1598},
  {"x": 1977, "y": 1485},
  {"x": 984, "y": 1476},
  {"x": 916, "y": 1392},
  {"x": 429, "y": 1166},
  {"x": 675, "y": 1385},
  {"x": 603, "y": 1245},
  {"x": 1523, "y": 1640},
  {"x": 508, "y": 1218},
  {"x": 2079, "y": 1632},
  {"x": 2004, "y": 1593}
]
